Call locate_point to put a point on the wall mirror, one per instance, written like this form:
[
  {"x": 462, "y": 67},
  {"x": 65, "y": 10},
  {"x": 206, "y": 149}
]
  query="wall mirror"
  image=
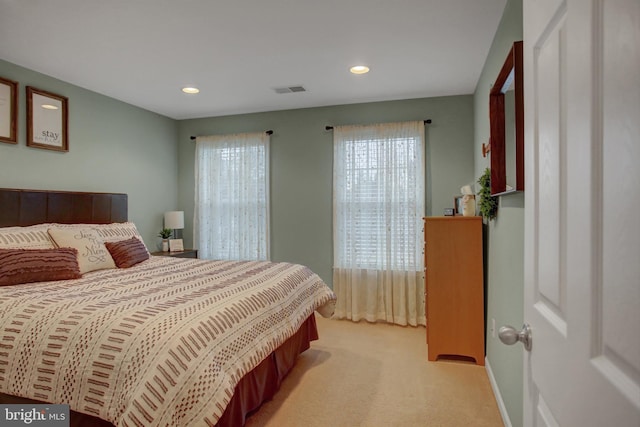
[{"x": 506, "y": 111}]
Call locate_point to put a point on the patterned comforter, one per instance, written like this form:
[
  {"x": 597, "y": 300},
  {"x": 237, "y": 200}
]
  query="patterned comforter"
[{"x": 162, "y": 343}]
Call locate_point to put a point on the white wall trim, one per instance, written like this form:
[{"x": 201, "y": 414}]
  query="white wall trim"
[{"x": 496, "y": 393}]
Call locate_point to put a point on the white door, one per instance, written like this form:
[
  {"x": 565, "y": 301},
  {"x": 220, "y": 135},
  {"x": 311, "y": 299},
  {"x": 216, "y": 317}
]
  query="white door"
[{"x": 582, "y": 212}]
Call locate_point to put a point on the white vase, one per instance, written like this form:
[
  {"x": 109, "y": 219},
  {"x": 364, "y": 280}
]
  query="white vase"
[
  {"x": 468, "y": 205},
  {"x": 165, "y": 245}
]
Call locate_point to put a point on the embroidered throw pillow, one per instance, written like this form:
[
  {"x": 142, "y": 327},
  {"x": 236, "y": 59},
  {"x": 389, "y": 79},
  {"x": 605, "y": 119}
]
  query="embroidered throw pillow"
[
  {"x": 127, "y": 253},
  {"x": 92, "y": 253},
  {"x": 38, "y": 265}
]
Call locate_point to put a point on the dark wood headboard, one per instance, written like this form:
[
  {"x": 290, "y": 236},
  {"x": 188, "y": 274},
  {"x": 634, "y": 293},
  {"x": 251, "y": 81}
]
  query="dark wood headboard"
[{"x": 28, "y": 207}]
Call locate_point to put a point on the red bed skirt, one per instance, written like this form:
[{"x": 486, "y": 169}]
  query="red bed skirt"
[{"x": 254, "y": 388}]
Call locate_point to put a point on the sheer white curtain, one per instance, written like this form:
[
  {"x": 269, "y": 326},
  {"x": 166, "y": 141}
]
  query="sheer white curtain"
[
  {"x": 231, "y": 217},
  {"x": 378, "y": 206}
]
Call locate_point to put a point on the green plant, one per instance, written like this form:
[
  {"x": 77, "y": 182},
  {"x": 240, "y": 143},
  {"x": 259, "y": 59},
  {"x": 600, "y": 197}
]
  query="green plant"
[
  {"x": 488, "y": 203},
  {"x": 165, "y": 233}
]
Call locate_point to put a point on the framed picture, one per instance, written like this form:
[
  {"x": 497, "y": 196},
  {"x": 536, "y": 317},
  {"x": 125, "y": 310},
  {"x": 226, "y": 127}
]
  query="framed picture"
[
  {"x": 8, "y": 111},
  {"x": 176, "y": 245},
  {"x": 47, "y": 120},
  {"x": 457, "y": 205}
]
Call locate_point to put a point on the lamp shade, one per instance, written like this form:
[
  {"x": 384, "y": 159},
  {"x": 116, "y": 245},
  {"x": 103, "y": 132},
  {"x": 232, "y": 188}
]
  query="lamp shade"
[{"x": 174, "y": 220}]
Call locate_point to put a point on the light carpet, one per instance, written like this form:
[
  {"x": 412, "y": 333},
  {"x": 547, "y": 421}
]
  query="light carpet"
[{"x": 377, "y": 375}]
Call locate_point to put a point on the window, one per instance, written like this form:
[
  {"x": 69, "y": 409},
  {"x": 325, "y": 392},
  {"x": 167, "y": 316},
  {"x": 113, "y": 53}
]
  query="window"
[
  {"x": 232, "y": 199},
  {"x": 378, "y": 196},
  {"x": 378, "y": 192}
]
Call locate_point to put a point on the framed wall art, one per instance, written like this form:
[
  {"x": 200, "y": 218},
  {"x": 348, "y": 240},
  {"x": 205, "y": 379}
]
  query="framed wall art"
[
  {"x": 457, "y": 205},
  {"x": 176, "y": 245},
  {"x": 47, "y": 120},
  {"x": 8, "y": 111}
]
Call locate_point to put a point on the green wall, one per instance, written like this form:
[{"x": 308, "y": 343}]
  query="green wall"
[
  {"x": 301, "y": 162},
  {"x": 113, "y": 147},
  {"x": 504, "y": 236}
]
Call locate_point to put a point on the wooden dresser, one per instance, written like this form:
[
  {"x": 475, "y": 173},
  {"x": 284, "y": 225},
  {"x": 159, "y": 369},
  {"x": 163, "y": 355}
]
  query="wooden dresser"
[{"x": 454, "y": 287}]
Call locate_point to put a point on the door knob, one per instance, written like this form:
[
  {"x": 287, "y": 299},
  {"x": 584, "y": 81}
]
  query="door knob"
[{"x": 509, "y": 336}]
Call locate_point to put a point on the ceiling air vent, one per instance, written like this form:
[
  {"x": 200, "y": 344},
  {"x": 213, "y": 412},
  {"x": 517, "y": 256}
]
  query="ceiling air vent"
[{"x": 290, "y": 89}]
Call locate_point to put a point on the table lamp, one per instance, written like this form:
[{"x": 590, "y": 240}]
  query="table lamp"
[{"x": 175, "y": 221}]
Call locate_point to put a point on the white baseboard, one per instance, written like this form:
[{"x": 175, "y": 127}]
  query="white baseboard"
[{"x": 496, "y": 393}]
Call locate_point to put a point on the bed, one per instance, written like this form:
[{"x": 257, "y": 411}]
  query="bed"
[{"x": 162, "y": 341}]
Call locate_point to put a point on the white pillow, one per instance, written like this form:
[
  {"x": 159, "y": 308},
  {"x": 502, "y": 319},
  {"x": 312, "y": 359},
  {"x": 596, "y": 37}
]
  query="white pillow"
[
  {"x": 31, "y": 237},
  {"x": 92, "y": 253},
  {"x": 113, "y": 232}
]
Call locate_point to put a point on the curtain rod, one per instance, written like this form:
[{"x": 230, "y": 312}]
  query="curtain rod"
[
  {"x": 426, "y": 122},
  {"x": 268, "y": 132}
]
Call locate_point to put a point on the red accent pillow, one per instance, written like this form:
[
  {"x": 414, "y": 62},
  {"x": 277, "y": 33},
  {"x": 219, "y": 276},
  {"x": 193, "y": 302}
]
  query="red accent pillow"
[
  {"x": 127, "y": 253},
  {"x": 38, "y": 265}
]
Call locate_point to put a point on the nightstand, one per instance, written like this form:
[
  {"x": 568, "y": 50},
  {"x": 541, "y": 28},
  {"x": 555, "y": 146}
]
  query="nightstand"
[{"x": 187, "y": 253}]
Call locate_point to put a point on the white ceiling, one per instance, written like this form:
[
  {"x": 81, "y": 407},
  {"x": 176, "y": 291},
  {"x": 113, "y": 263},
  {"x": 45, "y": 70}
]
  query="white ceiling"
[{"x": 237, "y": 51}]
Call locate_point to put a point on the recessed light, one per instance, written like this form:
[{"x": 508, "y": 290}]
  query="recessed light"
[
  {"x": 49, "y": 107},
  {"x": 359, "y": 69},
  {"x": 190, "y": 90}
]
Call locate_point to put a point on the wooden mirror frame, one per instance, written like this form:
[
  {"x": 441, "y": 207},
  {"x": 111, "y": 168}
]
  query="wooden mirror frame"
[{"x": 512, "y": 69}]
